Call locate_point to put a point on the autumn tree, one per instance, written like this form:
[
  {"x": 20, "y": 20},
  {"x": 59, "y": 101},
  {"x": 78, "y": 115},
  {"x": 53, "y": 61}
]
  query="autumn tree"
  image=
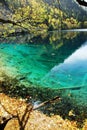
[{"x": 35, "y": 15}]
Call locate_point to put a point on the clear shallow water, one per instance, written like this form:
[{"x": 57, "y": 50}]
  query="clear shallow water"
[{"x": 58, "y": 61}]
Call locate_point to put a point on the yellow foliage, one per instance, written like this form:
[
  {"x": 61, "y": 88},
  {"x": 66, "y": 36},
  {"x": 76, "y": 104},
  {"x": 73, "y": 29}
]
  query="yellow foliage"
[{"x": 39, "y": 15}]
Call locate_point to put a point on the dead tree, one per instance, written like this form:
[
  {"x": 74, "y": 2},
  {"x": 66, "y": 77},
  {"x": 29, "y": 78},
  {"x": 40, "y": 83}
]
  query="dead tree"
[{"x": 23, "y": 121}]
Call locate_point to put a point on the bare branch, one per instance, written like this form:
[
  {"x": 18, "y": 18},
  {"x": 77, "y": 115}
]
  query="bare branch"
[
  {"x": 14, "y": 23},
  {"x": 82, "y": 2}
]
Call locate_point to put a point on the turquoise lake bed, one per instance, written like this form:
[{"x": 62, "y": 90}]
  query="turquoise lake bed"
[{"x": 46, "y": 66}]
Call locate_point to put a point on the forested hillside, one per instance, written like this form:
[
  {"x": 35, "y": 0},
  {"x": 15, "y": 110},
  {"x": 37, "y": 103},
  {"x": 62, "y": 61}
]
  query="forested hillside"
[
  {"x": 30, "y": 16},
  {"x": 71, "y": 7}
]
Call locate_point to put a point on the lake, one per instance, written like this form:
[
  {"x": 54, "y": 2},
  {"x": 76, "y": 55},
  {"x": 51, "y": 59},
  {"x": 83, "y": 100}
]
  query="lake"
[{"x": 47, "y": 65}]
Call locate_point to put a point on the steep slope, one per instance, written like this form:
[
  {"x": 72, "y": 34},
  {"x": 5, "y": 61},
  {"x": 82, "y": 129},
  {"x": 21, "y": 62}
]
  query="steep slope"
[
  {"x": 71, "y": 7},
  {"x": 5, "y": 12}
]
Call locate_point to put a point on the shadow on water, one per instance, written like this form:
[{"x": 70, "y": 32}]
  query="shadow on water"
[
  {"x": 26, "y": 60},
  {"x": 67, "y": 107}
]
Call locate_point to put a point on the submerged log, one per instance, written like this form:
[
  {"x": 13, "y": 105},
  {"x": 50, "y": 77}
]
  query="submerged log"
[{"x": 47, "y": 102}]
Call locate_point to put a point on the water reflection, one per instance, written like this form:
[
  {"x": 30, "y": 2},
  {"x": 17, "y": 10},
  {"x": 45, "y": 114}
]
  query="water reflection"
[
  {"x": 79, "y": 55},
  {"x": 57, "y": 60},
  {"x": 71, "y": 73},
  {"x": 34, "y": 57}
]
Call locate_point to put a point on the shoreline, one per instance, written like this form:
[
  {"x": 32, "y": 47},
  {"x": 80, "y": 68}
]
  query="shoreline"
[{"x": 37, "y": 120}]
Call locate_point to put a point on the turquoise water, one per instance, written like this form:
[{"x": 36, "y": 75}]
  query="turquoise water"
[{"x": 57, "y": 61}]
